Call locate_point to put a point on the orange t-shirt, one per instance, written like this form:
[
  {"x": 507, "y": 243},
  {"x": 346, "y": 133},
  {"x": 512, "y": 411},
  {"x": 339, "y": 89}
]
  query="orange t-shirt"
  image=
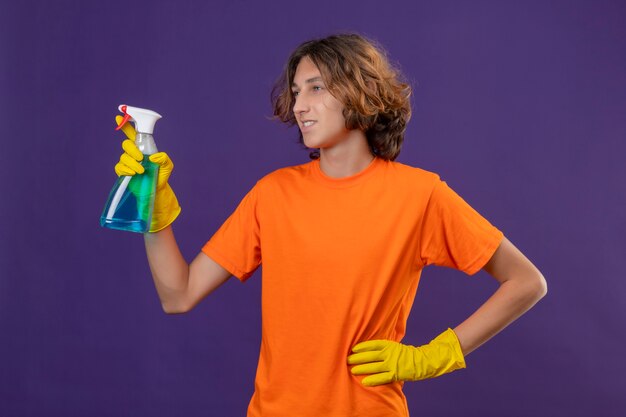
[{"x": 342, "y": 259}]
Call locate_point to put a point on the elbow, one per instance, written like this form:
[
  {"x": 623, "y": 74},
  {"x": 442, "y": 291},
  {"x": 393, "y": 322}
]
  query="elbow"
[
  {"x": 539, "y": 287},
  {"x": 172, "y": 308},
  {"x": 529, "y": 288},
  {"x": 543, "y": 285}
]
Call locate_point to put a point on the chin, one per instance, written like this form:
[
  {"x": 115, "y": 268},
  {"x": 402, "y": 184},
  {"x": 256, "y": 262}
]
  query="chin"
[
  {"x": 316, "y": 144},
  {"x": 311, "y": 144}
]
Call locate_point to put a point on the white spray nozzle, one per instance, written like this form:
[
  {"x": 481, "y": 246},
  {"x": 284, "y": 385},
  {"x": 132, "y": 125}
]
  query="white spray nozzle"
[{"x": 144, "y": 119}]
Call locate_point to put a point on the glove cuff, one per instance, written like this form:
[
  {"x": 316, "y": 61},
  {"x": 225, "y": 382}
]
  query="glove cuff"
[
  {"x": 166, "y": 209},
  {"x": 450, "y": 340}
]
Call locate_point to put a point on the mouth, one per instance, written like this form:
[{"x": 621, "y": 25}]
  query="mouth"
[{"x": 307, "y": 124}]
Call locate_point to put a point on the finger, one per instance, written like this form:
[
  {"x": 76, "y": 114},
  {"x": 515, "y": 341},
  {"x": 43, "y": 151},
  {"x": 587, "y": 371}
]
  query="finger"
[
  {"x": 370, "y": 345},
  {"x": 365, "y": 357},
  {"x": 369, "y": 368},
  {"x": 163, "y": 160},
  {"x": 121, "y": 169},
  {"x": 128, "y": 129},
  {"x": 127, "y": 160},
  {"x": 378, "y": 379},
  {"x": 132, "y": 149}
]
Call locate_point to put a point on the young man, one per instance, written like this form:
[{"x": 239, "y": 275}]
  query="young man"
[{"x": 342, "y": 240}]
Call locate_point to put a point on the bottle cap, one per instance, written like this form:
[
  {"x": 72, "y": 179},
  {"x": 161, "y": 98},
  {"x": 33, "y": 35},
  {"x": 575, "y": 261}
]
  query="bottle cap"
[{"x": 144, "y": 119}]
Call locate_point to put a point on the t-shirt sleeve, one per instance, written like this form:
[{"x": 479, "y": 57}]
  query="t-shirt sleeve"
[
  {"x": 454, "y": 234},
  {"x": 236, "y": 245}
]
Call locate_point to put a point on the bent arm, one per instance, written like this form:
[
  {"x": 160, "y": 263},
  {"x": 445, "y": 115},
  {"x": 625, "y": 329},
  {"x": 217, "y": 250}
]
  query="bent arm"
[
  {"x": 180, "y": 285},
  {"x": 521, "y": 286}
]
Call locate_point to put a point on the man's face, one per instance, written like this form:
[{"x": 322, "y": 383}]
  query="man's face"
[{"x": 318, "y": 113}]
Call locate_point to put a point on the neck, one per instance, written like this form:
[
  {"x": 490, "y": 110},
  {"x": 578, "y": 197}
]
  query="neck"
[{"x": 346, "y": 158}]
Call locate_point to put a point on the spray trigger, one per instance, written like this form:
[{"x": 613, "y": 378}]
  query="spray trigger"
[{"x": 126, "y": 117}]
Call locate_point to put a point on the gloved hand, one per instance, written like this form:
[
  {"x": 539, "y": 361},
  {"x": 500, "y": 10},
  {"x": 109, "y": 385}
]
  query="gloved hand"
[
  {"x": 391, "y": 361},
  {"x": 166, "y": 207}
]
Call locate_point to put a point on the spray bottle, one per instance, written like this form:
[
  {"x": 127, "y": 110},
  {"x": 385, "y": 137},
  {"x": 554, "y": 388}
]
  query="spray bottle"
[{"x": 130, "y": 203}]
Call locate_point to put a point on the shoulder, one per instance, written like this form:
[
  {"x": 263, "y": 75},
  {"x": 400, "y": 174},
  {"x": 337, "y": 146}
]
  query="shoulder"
[
  {"x": 285, "y": 175},
  {"x": 412, "y": 175},
  {"x": 409, "y": 170}
]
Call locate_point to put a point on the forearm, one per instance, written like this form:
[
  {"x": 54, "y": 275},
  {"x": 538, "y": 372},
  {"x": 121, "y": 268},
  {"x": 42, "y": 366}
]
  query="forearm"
[
  {"x": 170, "y": 271},
  {"x": 512, "y": 299}
]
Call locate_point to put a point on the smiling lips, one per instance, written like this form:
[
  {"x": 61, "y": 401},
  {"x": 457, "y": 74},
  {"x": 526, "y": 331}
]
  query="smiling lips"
[{"x": 306, "y": 124}]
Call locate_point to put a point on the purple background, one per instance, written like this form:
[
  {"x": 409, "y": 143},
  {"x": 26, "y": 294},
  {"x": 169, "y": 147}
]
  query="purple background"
[{"x": 519, "y": 106}]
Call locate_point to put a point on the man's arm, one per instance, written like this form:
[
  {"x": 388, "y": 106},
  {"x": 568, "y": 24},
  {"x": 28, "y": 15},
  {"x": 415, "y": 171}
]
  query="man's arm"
[
  {"x": 521, "y": 286},
  {"x": 180, "y": 285}
]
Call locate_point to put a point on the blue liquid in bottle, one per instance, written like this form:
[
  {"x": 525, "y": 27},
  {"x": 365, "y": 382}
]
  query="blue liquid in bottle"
[{"x": 130, "y": 202}]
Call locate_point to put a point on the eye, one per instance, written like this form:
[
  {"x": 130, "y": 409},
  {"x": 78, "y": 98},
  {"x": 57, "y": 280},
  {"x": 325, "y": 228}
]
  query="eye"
[
  {"x": 317, "y": 88},
  {"x": 295, "y": 93}
]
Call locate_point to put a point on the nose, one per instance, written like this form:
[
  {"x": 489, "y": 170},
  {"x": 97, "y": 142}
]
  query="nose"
[{"x": 300, "y": 104}]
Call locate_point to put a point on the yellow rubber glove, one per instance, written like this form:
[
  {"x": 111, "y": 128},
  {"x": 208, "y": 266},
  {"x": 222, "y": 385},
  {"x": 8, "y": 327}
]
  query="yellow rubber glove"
[
  {"x": 166, "y": 207},
  {"x": 390, "y": 361}
]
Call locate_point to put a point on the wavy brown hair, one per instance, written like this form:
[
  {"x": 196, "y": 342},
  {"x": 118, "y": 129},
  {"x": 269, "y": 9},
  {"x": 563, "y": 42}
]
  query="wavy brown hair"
[{"x": 356, "y": 72}]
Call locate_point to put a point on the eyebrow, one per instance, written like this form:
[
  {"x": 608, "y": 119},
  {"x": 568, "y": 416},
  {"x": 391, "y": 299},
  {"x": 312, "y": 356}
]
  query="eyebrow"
[{"x": 310, "y": 80}]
